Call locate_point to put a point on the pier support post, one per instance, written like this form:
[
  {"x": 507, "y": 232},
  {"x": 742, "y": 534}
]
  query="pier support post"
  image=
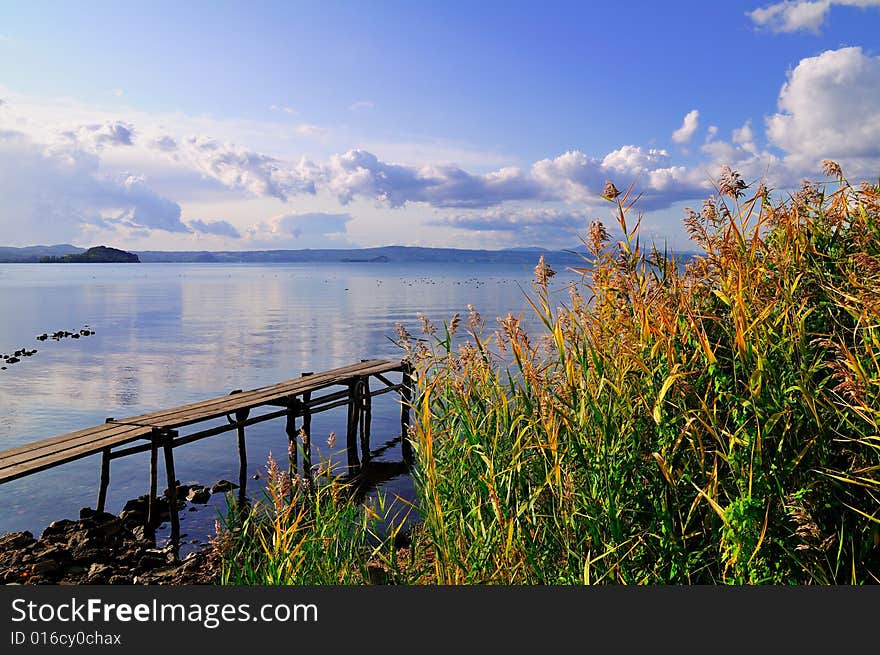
[
  {"x": 290, "y": 430},
  {"x": 307, "y": 433},
  {"x": 352, "y": 426},
  {"x": 105, "y": 479},
  {"x": 405, "y": 400},
  {"x": 152, "y": 514},
  {"x": 170, "y": 476},
  {"x": 240, "y": 417},
  {"x": 366, "y": 416}
]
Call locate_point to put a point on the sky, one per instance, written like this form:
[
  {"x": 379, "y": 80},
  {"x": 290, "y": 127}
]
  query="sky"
[{"x": 241, "y": 126}]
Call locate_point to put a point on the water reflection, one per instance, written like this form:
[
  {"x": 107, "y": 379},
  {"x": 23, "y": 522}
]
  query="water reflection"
[{"x": 170, "y": 334}]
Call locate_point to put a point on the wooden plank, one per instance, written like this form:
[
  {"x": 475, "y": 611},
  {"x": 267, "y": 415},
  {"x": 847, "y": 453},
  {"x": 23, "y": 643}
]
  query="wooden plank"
[
  {"x": 65, "y": 456},
  {"x": 10, "y": 452},
  {"x": 179, "y": 417},
  {"x": 221, "y": 405},
  {"x": 49, "y": 449},
  {"x": 37, "y": 456},
  {"x": 182, "y": 417}
]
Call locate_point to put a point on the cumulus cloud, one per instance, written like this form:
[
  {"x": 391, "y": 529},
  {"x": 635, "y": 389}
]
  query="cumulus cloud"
[
  {"x": 800, "y": 15},
  {"x": 218, "y": 228},
  {"x": 97, "y": 135},
  {"x": 744, "y": 136},
  {"x": 239, "y": 168},
  {"x": 830, "y": 109},
  {"x": 521, "y": 220},
  {"x": 310, "y": 230},
  {"x": 52, "y": 194},
  {"x": 359, "y": 174},
  {"x": 688, "y": 127},
  {"x": 311, "y": 131},
  {"x": 164, "y": 143}
]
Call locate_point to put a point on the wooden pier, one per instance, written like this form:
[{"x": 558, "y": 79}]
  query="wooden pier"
[{"x": 295, "y": 400}]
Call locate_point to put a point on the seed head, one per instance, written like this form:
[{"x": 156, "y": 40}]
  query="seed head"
[
  {"x": 610, "y": 191},
  {"x": 543, "y": 272}
]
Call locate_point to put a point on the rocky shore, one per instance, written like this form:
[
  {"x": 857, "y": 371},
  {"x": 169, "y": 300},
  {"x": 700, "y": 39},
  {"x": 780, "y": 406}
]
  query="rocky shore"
[{"x": 102, "y": 548}]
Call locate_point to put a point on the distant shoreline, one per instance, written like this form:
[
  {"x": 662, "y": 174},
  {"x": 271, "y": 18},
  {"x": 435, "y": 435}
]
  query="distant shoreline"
[{"x": 383, "y": 254}]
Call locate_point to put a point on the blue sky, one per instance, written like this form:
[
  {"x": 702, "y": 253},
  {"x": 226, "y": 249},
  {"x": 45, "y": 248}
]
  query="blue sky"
[{"x": 288, "y": 125}]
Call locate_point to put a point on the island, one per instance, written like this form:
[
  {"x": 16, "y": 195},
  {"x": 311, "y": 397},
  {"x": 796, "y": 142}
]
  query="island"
[{"x": 96, "y": 255}]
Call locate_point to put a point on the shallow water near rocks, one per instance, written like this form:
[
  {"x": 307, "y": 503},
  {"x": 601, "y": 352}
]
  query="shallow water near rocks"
[{"x": 171, "y": 334}]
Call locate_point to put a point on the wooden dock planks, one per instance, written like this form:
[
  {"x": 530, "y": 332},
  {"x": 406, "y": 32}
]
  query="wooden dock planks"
[{"x": 30, "y": 458}]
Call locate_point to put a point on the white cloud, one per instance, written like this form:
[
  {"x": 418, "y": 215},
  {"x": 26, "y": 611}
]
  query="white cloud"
[
  {"x": 800, "y": 15},
  {"x": 164, "y": 143},
  {"x": 743, "y": 134},
  {"x": 217, "y": 228},
  {"x": 311, "y": 131},
  {"x": 688, "y": 127},
  {"x": 830, "y": 109},
  {"x": 51, "y": 194},
  {"x": 305, "y": 230},
  {"x": 745, "y": 137},
  {"x": 361, "y": 105},
  {"x": 239, "y": 168},
  {"x": 287, "y": 110},
  {"x": 115, "y": 170},
  {"x": 524, "y": 220},
  {"x": 97, "y": 135}
]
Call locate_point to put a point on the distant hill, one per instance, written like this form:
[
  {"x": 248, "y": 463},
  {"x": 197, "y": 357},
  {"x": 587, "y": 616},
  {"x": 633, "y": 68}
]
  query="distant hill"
[
  {"x": 396, "y": 254},
  {"x": 33, "y": 254},
  {"x": 96, "y": 255}
]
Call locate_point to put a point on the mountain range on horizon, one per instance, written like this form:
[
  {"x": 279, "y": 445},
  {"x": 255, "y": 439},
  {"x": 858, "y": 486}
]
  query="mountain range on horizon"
[{"x": 399, "y": 254}]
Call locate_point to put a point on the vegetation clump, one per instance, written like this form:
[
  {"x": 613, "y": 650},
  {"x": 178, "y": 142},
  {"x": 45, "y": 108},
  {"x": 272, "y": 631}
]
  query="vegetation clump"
[{"x": 704, "y": 420}]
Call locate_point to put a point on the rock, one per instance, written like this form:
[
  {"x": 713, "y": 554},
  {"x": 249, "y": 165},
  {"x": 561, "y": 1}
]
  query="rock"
[
  {"x": 139, "y": 532},
  {"x": 16, "y": 541},
  {"x": 119, "y": 579},
  {"x": 181, "y": 489},
  {"x": 58, "y": 528},
  {"x": 45, "y": 566},
  {"x": 86, "y": 553},
  {"x": 151, "y": 559},
  {"x": 222, "y": 486},
  {"x": 136, "y": 505},
  {"x": 198, "y": 494},
  {"x": 108, "y": 529},
  {"x": 133, "y": 517},
  {"x": 87, "y": 513},
  {"x": 99, "y": 573}
]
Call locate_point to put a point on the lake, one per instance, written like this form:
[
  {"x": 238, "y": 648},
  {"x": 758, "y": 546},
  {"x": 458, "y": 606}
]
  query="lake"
[{"x": 170, "y": 334}]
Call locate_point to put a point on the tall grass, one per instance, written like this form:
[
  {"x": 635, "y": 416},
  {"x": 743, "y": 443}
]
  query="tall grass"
[
  {"x": 704, "y": 420},
  {"x": 307, "y": 532},
  {"x": 707, "y": 421}
]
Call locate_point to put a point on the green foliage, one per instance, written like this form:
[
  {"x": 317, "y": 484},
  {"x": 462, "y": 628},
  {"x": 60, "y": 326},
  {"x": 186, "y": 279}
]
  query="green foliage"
[{"x": 706, "y": 421}]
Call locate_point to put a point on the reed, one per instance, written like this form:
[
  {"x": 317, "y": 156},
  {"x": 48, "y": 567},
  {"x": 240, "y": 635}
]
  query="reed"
[
  {"x": 308, "y": 533},
  {"x": 709, "y": 420}
]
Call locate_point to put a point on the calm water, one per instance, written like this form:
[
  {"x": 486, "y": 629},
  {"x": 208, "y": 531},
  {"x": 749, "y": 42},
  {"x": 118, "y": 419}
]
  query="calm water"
[{"x": 168, "y": 334}]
